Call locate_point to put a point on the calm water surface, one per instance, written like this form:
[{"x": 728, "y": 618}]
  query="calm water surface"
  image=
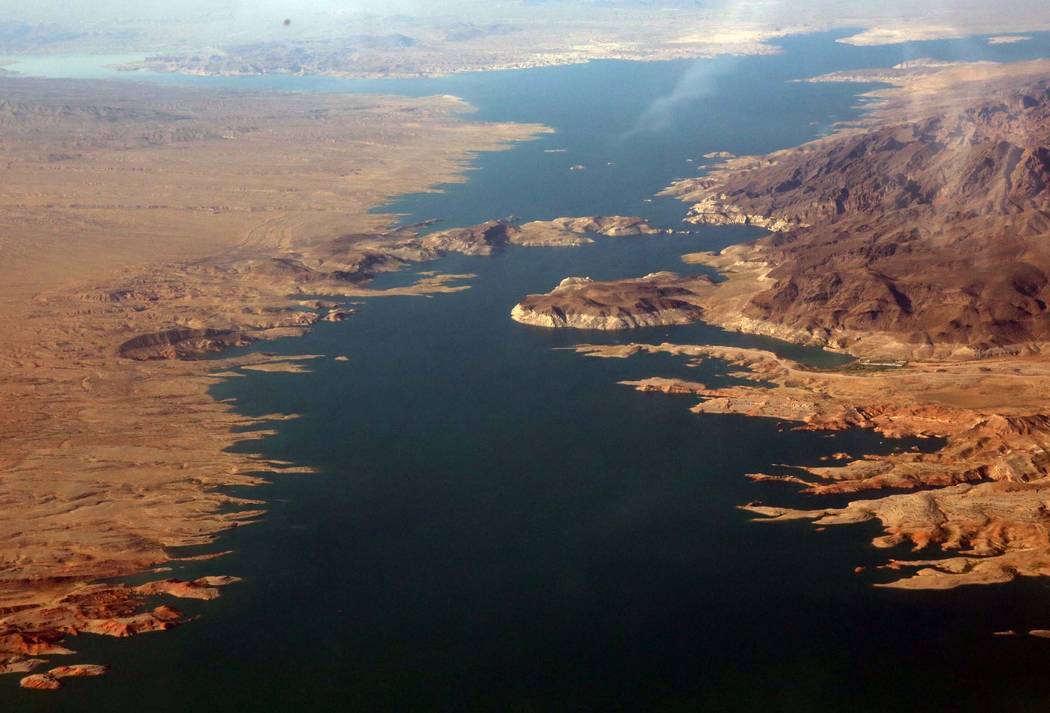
[{"x": 497, "y": 525}]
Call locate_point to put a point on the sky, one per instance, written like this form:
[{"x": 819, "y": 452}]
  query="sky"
[
  {"x": 93, "y": 11},
  {"x": 109, "y": 10},
  {"x": 250, "y": 19}
]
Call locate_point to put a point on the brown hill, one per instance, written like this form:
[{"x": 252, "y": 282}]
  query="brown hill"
[
  {"x": 657, "y": 299},
  {"x": 932, "y": 231}
]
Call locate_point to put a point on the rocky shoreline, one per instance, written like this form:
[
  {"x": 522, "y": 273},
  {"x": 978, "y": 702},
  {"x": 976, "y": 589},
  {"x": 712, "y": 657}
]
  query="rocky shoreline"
[
  {"x": 854, "y": 265},
  {"x": 240, "y": 297},
  {"x": 978, "y": 499},
  {"x": 720, "y": 210}
]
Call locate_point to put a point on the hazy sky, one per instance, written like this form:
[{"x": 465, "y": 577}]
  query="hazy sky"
[
  {"x": 197, "y": 19},
  {"x": 93, "y": 11},
  {"x": 96, "y": 11}
]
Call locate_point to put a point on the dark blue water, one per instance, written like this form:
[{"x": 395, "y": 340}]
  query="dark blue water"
[{"x": 497, "y": 525}]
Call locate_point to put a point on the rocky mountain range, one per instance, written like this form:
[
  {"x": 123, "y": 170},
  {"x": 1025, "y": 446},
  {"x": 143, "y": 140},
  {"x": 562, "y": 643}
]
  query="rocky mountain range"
[{"x": 933, "y": 230}]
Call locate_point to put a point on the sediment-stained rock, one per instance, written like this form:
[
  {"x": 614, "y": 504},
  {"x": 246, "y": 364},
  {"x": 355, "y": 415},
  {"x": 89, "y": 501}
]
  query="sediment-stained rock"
[
  {"x": 721, "y": 210},
  {"x": 79, "y": 670},
  {"x": 608, "y": 225},
  {"x": 203, "y": 588}
]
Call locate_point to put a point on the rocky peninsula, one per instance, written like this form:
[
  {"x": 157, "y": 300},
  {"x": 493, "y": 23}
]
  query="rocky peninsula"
[
  {"x": 917, "y": 234},
  {"x": 980, "y": 498},
  {"x": 582, "y": 303},
  {"x": 494, "y": 235}
]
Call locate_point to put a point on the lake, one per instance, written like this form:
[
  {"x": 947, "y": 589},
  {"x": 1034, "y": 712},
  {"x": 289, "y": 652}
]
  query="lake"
[{"x": 497, "y": 525}]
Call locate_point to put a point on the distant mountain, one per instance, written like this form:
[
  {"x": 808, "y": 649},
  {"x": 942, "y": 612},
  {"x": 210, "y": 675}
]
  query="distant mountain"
[{"x": 21, "y": 37}]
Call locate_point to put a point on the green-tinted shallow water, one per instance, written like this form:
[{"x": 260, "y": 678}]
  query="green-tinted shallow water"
[{"x": 497, "y": 525}]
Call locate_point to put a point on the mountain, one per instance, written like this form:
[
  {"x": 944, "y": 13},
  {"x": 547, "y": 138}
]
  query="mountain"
[{"x": 933, "y": 232}]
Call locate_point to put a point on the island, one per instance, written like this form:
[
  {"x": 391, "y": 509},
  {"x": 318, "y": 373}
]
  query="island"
[{"x": 494, "y": 235}]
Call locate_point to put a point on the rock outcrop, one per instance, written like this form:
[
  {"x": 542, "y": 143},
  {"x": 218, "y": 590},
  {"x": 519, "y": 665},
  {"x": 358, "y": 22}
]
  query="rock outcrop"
[
  {"x": 104, "y": 609},
  {"x": 483, "y": 239},
  {"x": 52, "y": 680},
  {"x": 41, "y": 682},
  {"x": 491, "y": 236},
  {"x": 342, "y": 266},
  {"x": 581, "y": 303},
  {"x": 181, "y": 343},
  {"x": 608, "y": 225}
]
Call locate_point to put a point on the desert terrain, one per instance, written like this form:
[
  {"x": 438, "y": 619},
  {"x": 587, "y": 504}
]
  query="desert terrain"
[
  {"x": 148, "y": 227},
  {"x": 143, "y": 226}
]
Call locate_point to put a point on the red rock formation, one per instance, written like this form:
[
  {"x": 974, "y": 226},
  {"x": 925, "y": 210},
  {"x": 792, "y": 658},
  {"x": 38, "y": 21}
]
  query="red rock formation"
[
  {"x": 108, "y": 610},
  {"x": 33, "y": 644},
  {"x": 41, "y": 682},
  {"x": 51, "y": 680},
  {"x": 78, "y": 670}
]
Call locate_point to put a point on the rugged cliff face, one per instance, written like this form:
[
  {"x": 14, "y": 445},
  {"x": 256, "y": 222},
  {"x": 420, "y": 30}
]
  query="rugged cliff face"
[{"x": 934, "y": 230}]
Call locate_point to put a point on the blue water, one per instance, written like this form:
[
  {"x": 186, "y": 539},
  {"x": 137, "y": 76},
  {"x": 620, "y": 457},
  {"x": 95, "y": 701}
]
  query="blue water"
[{"x": 497, "y": 525}]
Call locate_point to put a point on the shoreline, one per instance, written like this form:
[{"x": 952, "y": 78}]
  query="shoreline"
[
  {"x": 979, "y": 498},
  {"x": 112, "y": 462}
]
